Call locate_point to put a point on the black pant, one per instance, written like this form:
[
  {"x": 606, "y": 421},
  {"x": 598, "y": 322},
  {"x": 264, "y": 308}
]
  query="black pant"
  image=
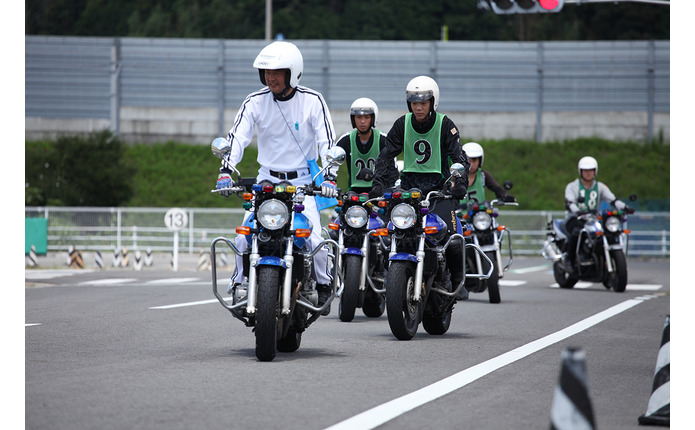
[{"x": 574, "y": 226}]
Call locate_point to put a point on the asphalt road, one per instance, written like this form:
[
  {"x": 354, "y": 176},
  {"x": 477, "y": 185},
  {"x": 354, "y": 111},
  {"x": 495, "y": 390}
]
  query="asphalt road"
[{"x": 152, "y": 349}]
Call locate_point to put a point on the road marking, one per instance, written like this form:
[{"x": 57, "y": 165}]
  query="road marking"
[
  {"x": 31, "y": 324},
  {"x": 631, "y": 287},
  {"x": 48, "y": 274},
  {"x": 381, "y": 414},
  {"x": 508, "y": 283},
  {"x": 172, "y": 280},
  {"x": 531, "y": 269},
  {"x": 112, "y": 281},
  {"x": 181, "y": 305}
]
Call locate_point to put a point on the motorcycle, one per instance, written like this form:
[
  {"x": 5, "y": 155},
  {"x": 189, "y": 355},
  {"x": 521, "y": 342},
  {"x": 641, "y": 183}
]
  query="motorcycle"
[
  {"x": 280, "y": 300},
  {"x": 601, "y": 249},
  {"x": 418, "y": 283},
  {"x": 483, "y": 229},
  {"x": 361, "y": 256}
]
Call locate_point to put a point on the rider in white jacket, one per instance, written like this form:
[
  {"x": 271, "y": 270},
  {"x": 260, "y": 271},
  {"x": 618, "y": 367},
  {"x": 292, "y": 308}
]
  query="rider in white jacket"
[{"x": 294, "y": 125}]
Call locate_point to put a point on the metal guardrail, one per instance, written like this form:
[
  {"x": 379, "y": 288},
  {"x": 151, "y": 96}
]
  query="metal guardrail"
[{"x": 103, "y": 229}]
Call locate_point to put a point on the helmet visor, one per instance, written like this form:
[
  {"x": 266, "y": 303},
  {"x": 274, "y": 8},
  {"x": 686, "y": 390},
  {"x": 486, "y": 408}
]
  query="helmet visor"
[
  {"x": 362, "y": 111},
  {"x": 418, "y": 96}
]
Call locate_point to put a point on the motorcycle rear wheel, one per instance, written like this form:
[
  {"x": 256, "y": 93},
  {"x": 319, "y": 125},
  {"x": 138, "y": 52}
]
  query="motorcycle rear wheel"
[
  {"x": 352, "y": 270},
  {"x": 563, "y": 279},
  {"x": 266, "y": 312},
  {"x": 493, "y": 283},
  {"x": 618, "y": 279},
  {"x": 403, "y": 313}
]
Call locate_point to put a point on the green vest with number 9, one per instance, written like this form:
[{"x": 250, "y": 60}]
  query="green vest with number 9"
[{"x": 422, "y": 152}]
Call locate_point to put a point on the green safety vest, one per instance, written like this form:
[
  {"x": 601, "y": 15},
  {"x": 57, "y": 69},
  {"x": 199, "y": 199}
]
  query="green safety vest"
[
  {"x": 477, "y": 189},
  {"x": 422, "y": 152},
  {"x": 361, "y": 160},
  {"x": 590, "y": 195}
]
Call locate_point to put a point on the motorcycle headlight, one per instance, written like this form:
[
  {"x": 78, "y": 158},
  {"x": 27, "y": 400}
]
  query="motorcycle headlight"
[
  {"x": 272, "y": 214},
  {"x": 356, "y": 216},
  {"x": 403, "y": 216},
  {"x": 613, "y": 224},
  {"x": 482, "y": 221}
]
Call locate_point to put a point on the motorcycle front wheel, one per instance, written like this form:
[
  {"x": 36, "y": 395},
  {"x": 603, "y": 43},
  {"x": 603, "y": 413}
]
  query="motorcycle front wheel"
[
  {"x": 563, "y": 279},
  {"x": 617, "y": 280},
  {"x": 403, "y": 313},
  {"x": 352, "y": 270},
  {"x": 266, "y": 312}
]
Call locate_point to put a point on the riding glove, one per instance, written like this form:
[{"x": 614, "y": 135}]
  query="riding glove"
[{"x": 224, "y": 180}]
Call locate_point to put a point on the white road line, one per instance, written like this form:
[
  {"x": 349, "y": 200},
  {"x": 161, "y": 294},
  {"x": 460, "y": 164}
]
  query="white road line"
[
  {"x": 172, "y": 280},
  {"x": 508, "y": 283},
  {"x": 383, "y": 413},
  {"x": 181, "y": 305},
  {"x": 31, "y": 324},
  {"x": 531, "y": 269},
  {"x": 631, "y": 287},
  {"x": 112, "y": 281},
  {"x": 49, "y": 274}
]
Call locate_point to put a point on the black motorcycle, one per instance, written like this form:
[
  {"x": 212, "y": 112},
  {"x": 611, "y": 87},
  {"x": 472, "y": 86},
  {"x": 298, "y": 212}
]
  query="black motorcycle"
[
  {"x": 280, "y": 300},
  {"x": 361, "y": 256},
  {"x": 600, "y": 253},
  {"x": 418, "y": 281}
]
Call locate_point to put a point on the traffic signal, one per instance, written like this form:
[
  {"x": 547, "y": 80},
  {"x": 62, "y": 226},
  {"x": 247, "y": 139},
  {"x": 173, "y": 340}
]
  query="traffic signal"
[{"x": 503, "y": 7}]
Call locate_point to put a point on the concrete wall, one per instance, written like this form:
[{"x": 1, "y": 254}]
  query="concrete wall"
[{"x": 200, "y": 125}]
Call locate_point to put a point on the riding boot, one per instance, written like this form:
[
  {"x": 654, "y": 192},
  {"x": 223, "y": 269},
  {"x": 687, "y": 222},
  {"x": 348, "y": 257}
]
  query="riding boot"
[{"x": 324, "y": 292}]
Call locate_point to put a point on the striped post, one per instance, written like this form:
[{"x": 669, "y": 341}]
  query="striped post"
[
  {"x": 31, "y": 259},
  {"x": 98, "y": 261},
  {"x": 659, "y": 406},
  {"x": 571, "y": 408}
]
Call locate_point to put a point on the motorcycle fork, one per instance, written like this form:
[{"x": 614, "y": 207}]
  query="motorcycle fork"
[
  {"x": 607, "y": 255},
  {"x": 365, "y": 262},
  {"x": 252, "y": 291},
  {"x": 287, "y": 281}
]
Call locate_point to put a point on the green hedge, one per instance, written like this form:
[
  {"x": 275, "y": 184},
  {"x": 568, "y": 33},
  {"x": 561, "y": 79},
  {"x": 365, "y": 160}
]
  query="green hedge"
[{"x": 100, "y": 171}]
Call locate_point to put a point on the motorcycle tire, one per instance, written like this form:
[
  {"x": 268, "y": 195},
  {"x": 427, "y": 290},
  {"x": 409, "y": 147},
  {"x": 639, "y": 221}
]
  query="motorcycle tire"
[
  {"x": 618, "y": 279},
  {"x": 493, "y": 283},
  {"x": 266, "y": 312},
  {"x": 403, "y": 313},
  {"x": 352, "y": 269},
  {"x": 374, "y": 305},
  {"x": 563, "y": 279},
  {"x": 436, "y": 324},
  {"x": 291, "y": 341}
]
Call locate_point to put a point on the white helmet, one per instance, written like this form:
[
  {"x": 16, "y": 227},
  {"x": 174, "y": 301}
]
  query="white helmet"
[
  {"x": 474, "y": 150},
  {"x": 587, "y": 163},
  {"x": 364, "y": 106},
  {"x": 420, "y": 89},
  {"x": 281, "y": 55}
]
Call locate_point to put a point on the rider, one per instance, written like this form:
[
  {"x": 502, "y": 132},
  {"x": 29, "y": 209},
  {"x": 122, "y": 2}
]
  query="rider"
[
  {"x": 428, "y": 140},
  {"x": 363, "y": 144},
  {"x": 479, "y": 179},
  {"x": 592, "y": 193},
  {"x": 294, "y": 125}
]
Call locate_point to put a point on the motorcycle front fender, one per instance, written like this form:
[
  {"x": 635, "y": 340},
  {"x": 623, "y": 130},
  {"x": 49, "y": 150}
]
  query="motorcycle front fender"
[
  {"x": 271, "y": 261},
  {"x": 353, "y": 251},
  {"x": 403, "y": 256}
]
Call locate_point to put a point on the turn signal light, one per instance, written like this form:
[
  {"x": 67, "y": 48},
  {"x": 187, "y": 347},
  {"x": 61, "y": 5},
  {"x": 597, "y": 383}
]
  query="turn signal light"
[
  {"x": 302, "y": 232},
  {"x": 333, "y": 226},
  {"x": 243, "y": 230},
  {"x": 382, "y": 232},
  {"x": 430, "y": 230},
  {"x": 501, "y": 227}
]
